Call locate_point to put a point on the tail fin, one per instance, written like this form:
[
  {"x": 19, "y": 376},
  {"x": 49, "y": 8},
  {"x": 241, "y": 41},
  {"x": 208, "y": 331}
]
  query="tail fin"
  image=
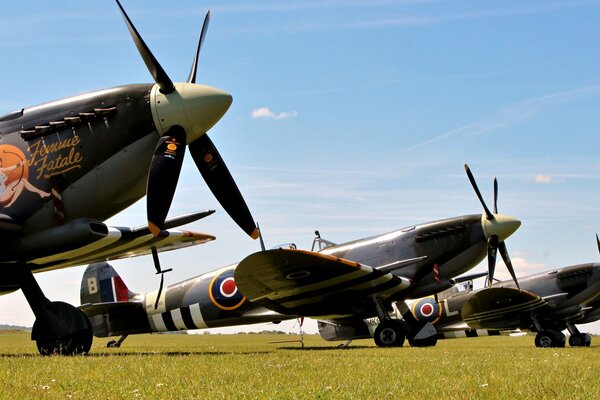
[{"x": 102, "y": 284}]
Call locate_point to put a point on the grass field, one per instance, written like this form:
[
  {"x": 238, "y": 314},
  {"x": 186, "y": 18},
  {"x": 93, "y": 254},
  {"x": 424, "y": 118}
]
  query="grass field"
[{"x": 248, "y": 367}]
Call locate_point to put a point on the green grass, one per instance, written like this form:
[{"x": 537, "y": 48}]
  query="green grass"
[{"x": 248, "y": 367}]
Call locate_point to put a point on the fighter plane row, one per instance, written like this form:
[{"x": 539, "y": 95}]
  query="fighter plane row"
[{"x": 61, "y": 176}]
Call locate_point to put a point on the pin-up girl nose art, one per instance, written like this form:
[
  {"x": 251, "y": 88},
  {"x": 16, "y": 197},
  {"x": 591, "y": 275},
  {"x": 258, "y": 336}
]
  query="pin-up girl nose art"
[{"x": 14, "y": 176}]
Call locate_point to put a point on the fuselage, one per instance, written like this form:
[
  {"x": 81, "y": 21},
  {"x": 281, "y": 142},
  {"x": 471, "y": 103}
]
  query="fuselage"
[
  {"x": 453, "y": 246},
  {"x": 210, "y": 300},
  {"x": 93, "y": 149}
]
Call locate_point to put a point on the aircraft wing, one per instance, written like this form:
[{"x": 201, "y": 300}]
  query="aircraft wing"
[
  {"x": 296, "y": 282},
  {"x": 501, "y": 308},
  {"x": 121, "y": 243}
]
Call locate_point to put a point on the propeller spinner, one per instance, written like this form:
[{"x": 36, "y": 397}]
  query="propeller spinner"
[
  {"x": 183, "y": 113},
  {"x": 496, "y": 228}
]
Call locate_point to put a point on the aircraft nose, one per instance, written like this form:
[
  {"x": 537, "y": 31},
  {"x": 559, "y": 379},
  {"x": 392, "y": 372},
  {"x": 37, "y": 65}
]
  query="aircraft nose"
[
  {"x": 502, "y": 226},
  {"x": 204, "y": 107},
  {"x": 196, "y": 108}
]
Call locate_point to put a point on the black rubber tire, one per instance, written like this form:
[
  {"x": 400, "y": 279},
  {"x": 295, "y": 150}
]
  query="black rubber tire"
[
  {"x": 78, "y": 340},
  {"x": 580, "y": 340},
  {"x": 550, "y": 338},
  {"x": 390, "y": 333}
]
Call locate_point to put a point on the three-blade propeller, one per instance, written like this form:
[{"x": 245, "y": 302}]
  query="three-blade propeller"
[
  {"x": 497, "y": 228},
  {"x": 185, "y": 116}
]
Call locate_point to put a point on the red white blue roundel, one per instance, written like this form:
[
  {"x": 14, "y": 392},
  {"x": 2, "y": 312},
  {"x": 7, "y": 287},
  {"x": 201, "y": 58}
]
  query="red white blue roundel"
[
  {"x": 223, "y": 291},
  {"x": 427, "y": 310}
]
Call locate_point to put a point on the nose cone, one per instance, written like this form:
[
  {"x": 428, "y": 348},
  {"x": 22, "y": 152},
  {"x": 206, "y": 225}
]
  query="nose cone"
[
  {"x": 502, "y": 226},
  {"x": 196, "y": 108},
  {"x": 204, "y": 106}
]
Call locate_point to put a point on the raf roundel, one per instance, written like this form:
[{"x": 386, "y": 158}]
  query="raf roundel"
[
  {"x": 427, "y": 310},
  {"x": 223, "y": 291}
]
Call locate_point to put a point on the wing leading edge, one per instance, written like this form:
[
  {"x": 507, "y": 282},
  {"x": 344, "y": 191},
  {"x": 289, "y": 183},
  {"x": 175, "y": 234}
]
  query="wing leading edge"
[
  {"x": 501, "y": 308},
  {"x": 121, "y": 243},
  {"x": 297, "y": 282}
]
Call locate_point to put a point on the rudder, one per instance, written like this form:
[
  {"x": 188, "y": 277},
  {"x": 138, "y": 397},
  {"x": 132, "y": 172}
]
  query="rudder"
[{"x": 102, "y": 284}]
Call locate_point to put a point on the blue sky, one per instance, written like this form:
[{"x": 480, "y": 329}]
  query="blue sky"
[{"x": 351, "y": 117}]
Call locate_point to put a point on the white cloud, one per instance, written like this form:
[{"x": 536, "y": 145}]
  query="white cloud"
[
  {"x": 522, "y": 268},
  {"x": 265, "y": 112},
  {"x": 541, "y": 178}
]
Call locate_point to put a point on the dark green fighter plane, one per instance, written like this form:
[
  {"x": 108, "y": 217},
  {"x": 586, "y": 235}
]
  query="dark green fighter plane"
[
  {"x": 68, "y": 165},
  {"x": 343, "y": 283}
]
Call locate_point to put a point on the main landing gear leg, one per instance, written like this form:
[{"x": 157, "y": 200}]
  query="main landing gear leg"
[
  {"x": 59, "y": 327},
  {"x": 389, "y": 332},
  {"x": 578, "y": 339}
]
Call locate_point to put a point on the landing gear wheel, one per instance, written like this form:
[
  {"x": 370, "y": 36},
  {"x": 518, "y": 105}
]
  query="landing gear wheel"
[
  {"x": 71, "y": 333},
  {"x": 550, "y": 338},
  {"x": 113, "y": 344},
  {"x": 580, "y": 340},
  {"x": 390, "y": 333},
  {"x": 427, "y": 342}
]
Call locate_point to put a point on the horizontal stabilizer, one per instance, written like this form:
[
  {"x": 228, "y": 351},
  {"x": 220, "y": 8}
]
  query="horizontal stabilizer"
[{"x": 117, "y": 318}]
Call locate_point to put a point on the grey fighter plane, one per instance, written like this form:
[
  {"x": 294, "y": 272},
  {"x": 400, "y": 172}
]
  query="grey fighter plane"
[
  {"x": 546, "y": 303},
  {"x": 347, "y": 282},
  {"x": 68, "y": 165}
]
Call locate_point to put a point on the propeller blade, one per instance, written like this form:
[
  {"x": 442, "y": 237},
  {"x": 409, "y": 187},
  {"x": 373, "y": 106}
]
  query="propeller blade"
[
  {"x": 598, "y": 242},
  {"x": 221, "y": 183},
  {"x": 492, "y": 251},
  {"x": 192, "y": 77},
  {"x": 495, "y": 195},
  {"x": 488, "y": 214},
  {"x": 158, "y": 73},
  {"x": 163, "y": 177},
  {"x": 509, "y": 266}
]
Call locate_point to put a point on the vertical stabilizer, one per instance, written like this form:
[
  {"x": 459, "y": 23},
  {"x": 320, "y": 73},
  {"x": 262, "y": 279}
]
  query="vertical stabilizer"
[{"x": 102, "y": 284}]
